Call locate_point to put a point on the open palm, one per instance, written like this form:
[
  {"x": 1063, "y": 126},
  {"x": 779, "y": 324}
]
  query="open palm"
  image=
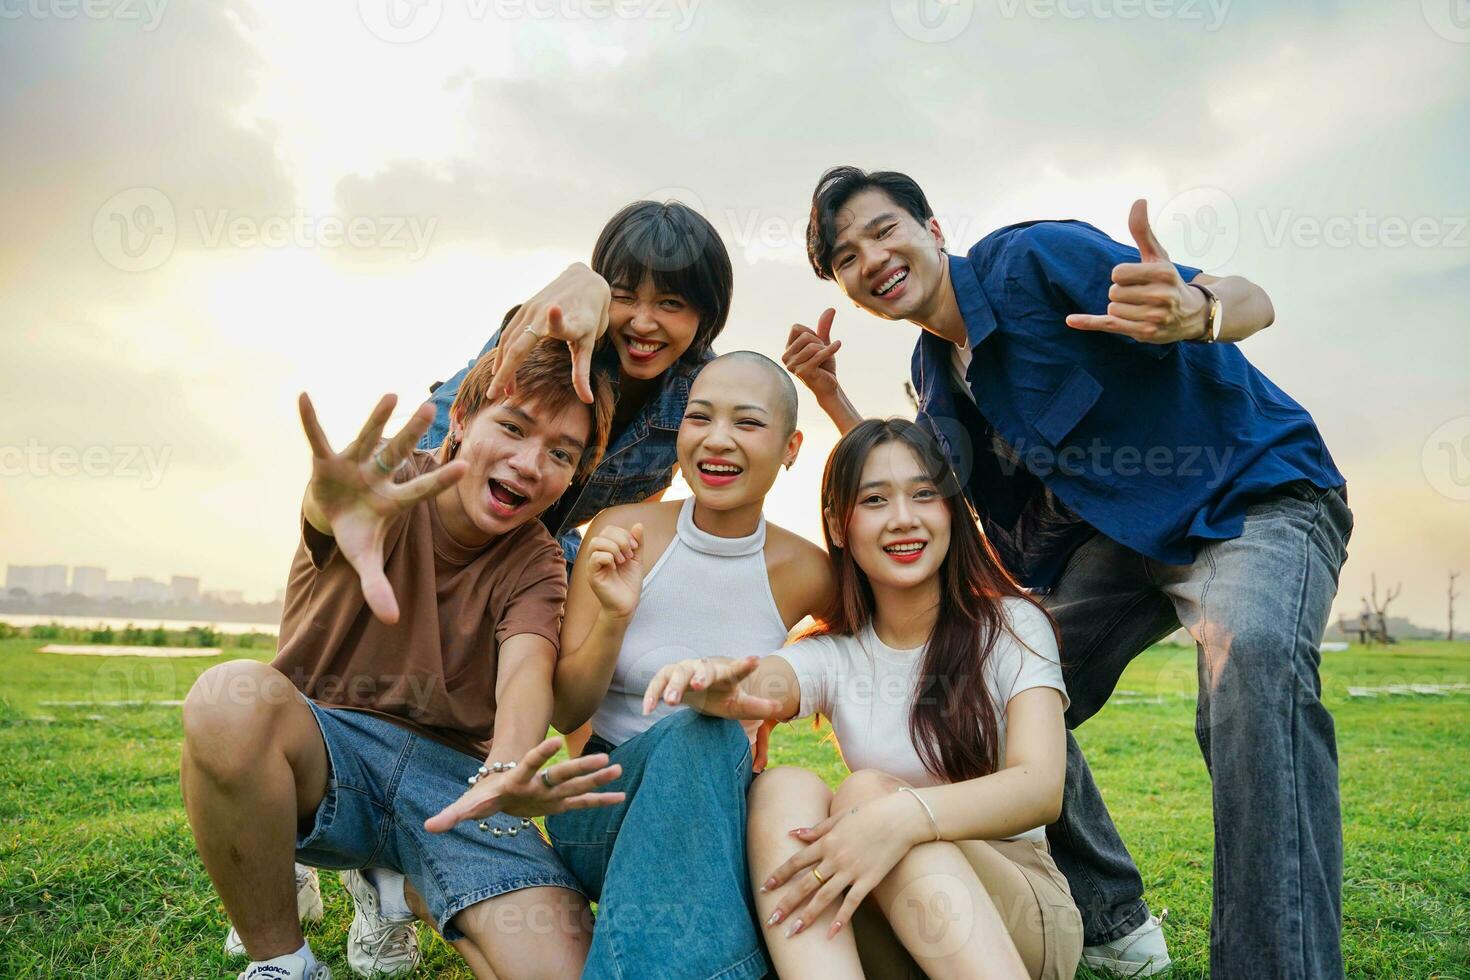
[{"x": 352, "y": 495}]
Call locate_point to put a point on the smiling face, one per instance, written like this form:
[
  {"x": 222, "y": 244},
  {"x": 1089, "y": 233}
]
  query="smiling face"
[
  {"x": 898, "y": 532},
  {"x": 650, "y": 329},
  {"x": 522, "y": 456},
  {"x": 885, "y": 260},
  {"x": 737, "y": 432}
]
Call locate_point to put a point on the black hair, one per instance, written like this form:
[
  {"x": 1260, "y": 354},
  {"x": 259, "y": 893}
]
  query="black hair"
[
  {"x": 838, "y": 186},
  {"x": 683, "y": 253}
]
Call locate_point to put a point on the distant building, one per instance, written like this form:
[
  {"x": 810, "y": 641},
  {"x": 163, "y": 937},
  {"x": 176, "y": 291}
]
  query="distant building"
[
  {"x": 146, "y": 589},
  {"x": 117, "y": 589},
  {"x": 225, "y": 595},
  {"x": 183, "y": 588},
  {"x": 26, "y": 578},
  {"x": 89, "y": 581},
  {"x": 53, "y": 580}
]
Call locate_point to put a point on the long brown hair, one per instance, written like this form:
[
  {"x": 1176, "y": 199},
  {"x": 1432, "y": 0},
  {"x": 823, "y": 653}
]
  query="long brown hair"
[{"x": 953, "y": 724}]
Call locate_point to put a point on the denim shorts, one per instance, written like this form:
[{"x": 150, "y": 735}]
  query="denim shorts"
[{"x": 385, "y": 781}]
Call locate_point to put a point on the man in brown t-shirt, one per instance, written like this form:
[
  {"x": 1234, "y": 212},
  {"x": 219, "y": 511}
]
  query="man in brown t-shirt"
[{"x": 419, "y": 640}]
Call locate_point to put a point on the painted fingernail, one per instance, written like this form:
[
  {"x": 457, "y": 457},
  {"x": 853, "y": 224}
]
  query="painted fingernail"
[
  {"x": 797, "y": 832},
  {"x": 795, "y": 928},
  {"x": 836, "y": 928},
  {"x": 770, "y": 883},
  {"x": 775, "y": 918}
]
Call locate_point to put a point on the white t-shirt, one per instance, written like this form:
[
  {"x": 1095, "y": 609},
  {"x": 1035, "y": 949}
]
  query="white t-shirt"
[
  {"x": 959, "y": 367},
  {"x": 866, "y": 689}
]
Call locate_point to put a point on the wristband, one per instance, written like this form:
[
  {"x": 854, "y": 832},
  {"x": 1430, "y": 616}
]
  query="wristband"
[
  {"x": 932, "y": 822},
  {"x": 1214, "y": 313}
]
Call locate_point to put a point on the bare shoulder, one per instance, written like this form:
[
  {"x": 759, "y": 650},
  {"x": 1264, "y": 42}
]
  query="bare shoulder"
[
  {"x": 660, "y": 519},
  {"x": 800, "y": 573}
]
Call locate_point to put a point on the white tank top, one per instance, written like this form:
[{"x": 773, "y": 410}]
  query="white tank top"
[{"x": 706, "y": 597}]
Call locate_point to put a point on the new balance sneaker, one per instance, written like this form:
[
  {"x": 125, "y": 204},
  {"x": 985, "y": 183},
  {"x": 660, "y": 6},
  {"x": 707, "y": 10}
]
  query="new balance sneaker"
[
  {"x": 1141, "y": 953},
  {"x": 308, "y": 906},
  {"x": 378, "y": 945},
  {"x": 288, "y": 967}
]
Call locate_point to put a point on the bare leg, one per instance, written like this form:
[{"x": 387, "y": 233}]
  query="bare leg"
[
  {"x": 540, "y": 933},
  {"x": 780, "y": 800},
  {"x": 253, "y": 766},
  {"x": 935, "y": 903},
  {"x": 473, "y": 958}
]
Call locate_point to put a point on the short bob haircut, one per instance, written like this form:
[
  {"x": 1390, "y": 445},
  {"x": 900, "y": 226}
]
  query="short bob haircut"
[
  {"x": 683, "y": 253},
  {"x": 543, "y": 378},
  {"x": 838, "y": 186}
]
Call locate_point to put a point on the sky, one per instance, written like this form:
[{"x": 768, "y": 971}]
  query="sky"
[{"x": 211, "y": 207}]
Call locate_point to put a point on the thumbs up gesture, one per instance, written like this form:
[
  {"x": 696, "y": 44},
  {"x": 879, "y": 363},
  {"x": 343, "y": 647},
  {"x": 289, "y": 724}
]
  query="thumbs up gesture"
[{"x": 1148, "y": 300}]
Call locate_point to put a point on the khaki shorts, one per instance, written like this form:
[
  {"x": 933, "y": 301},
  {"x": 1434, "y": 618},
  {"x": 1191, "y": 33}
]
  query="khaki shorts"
[{"x": 1043, "y": 920}]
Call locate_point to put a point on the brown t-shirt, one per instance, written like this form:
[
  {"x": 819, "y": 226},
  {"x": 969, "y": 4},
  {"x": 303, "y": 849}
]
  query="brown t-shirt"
[{"x": 434, "y": 670}]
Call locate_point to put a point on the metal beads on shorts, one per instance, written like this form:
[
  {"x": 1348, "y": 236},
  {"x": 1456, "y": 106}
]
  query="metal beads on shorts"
[{"x": 485, "y": 824}]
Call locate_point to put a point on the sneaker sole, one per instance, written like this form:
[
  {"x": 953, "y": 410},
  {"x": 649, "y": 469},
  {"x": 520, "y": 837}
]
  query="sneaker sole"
[{"x": 1126, "y": 968}]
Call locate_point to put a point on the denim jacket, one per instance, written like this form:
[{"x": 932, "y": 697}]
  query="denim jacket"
[{"x": 638, "y": 463}]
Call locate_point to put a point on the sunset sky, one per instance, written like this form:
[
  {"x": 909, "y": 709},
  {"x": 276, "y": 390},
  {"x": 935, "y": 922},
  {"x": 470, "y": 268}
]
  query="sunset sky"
[{"x": 210, "y": 207}]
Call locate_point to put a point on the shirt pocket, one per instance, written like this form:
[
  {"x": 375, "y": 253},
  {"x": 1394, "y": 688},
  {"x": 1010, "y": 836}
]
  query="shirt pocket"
[{"x": 1059, "y": 414}]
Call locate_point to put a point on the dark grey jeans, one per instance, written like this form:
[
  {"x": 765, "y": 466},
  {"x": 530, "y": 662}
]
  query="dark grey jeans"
[{"x": 1256, "y": 606}]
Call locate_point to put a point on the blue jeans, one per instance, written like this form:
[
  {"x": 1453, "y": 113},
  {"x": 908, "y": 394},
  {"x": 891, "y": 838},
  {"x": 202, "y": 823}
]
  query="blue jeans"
[
  {"x": 667, "y": 866},
  {"x": 1257, "y": 606}
]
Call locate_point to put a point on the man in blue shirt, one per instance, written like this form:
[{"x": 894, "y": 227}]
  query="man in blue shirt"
[{"x": 1126, "y": 459}]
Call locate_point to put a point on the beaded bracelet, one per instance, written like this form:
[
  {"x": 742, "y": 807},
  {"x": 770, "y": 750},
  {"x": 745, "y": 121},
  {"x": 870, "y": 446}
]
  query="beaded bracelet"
[{"x": 510, "y": 831}]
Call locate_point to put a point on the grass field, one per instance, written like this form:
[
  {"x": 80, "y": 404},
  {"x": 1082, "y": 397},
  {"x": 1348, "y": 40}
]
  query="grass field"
[{"x": 98, "y": 875}]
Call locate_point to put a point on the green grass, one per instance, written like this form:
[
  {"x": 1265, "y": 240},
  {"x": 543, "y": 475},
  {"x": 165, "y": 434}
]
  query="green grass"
[{"x": 98, "y": 875}]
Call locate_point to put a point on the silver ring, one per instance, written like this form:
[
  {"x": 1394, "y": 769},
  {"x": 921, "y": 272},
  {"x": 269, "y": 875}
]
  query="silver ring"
[
  {"x": 546, "y": 779},
  {"x": 534, "y": 333},
  {"x": 379, "y": 462}
]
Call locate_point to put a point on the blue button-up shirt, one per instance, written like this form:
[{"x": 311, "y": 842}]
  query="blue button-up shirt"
[
  {"x": 638, "y": 463},
  {"x": 1159, "y": 446}
]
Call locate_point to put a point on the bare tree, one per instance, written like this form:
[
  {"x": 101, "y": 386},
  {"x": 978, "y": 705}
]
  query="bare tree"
[
  {"x": 1453, "y": 595},
  {"x": 1380, "y": 609}
]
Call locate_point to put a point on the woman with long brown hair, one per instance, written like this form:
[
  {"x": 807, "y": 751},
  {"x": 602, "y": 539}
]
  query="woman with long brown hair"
[{"x": 943, "y": 685}]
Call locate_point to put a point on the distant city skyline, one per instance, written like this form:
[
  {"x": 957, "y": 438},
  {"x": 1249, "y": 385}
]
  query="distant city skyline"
[{"x": 93, "y": 582}]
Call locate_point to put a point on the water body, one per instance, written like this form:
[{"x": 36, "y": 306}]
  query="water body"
[{"x": 144, "y": 622}]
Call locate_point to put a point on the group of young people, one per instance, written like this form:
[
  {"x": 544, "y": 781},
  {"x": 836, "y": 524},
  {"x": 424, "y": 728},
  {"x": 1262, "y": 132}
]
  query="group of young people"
[{"x": 504, "y": 564}]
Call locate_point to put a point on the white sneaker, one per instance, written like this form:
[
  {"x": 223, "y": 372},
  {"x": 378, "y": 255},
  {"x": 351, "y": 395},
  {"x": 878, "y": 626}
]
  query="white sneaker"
[
  {"x": 1141, "y": 953},
  {"x": 378, "y": 946},
  {"x": 288, "y": 967},
  {"x": 308, "y": 906}
]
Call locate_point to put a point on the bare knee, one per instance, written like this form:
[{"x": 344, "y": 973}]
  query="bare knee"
[
  {"x": 232, "y": 714},
  {"x": 784, "y": 786},
  {"x": 864, "y": 786}
]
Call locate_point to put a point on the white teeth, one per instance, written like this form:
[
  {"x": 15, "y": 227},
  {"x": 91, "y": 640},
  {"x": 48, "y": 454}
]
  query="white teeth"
[
  {"x": 718, "y": 468},
  {"x": 904, "y": 549},
  {"x": 644, "y": 346},
  {"x": 892, "y": 281}
]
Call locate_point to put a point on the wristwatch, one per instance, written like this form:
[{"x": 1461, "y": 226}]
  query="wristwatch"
[{"x": 1214, "y": 314}]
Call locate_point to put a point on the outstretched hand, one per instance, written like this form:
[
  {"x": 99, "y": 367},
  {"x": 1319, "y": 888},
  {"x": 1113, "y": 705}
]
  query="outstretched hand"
[
  {"x": 811, "y": 355},
  {"x": 353, "y": 498},
  {"x": 573, "y": 308},
  {"x": 522, "y": 792},
  {"x": 710, "y": 686},
  {"x": 1148, "y": 301}
]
